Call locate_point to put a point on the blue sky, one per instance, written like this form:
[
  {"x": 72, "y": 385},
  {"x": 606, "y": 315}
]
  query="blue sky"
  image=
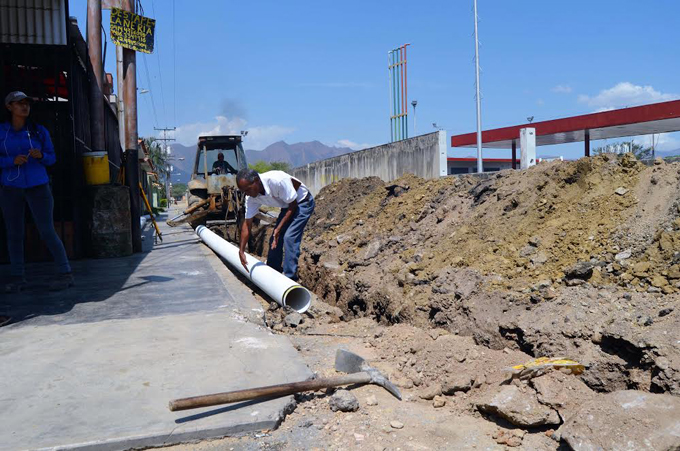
[{"x": 302, "y": 71}]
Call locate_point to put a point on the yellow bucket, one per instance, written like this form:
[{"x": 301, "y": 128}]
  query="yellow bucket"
[{"x": 96, "y": 165}]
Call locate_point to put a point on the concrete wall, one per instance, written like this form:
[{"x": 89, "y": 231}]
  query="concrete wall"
[{"x": 424, "y": 156}]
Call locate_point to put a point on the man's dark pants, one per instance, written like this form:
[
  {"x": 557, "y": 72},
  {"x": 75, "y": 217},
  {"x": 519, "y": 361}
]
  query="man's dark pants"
[{"x": 288, "y": 248}]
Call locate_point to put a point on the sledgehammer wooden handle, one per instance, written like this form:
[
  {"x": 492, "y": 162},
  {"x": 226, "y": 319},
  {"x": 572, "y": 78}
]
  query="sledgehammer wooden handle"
[{"x": 270, "y": 391}]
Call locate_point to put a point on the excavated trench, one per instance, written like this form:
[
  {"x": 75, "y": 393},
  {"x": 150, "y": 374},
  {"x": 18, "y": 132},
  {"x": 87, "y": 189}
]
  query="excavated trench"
[{"x": 491, "y": 260}]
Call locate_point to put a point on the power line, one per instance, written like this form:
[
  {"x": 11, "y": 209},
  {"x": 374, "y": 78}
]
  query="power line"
[
  {"x": 160, "y": 72},
  {"x": 174, "y": 67},
  {"x": 148, "y": 80},
  {"x": 147, "y": 103}
]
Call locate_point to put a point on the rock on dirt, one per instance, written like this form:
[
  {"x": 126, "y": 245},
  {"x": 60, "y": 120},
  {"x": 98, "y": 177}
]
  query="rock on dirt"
[
  {"x": 371, "y": 401},
  {"x": 396, "y": 424},
  {"x": 581, "y": 270},
  {"x": 623, "y": 255},
  {"x": 293, "y": 319},
  {"x": 627, "y": 419},
  {"x": 322, "y": 312},
  {"x": 520, "y": 408},
  {"x": 373, "y": 250},
  {"x": 563, "y": 392},
  {"x": 510, "y": 438},
  {"x": 344, "y": 401},
  {"x": 430, "y": 392},
  {"x": 439, "y": 401},
  {"x": 456, "y": 382}
]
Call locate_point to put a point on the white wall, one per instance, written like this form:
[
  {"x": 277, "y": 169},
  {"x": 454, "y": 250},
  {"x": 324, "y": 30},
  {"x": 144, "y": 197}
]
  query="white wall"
[{"x": 424, "y": 156}]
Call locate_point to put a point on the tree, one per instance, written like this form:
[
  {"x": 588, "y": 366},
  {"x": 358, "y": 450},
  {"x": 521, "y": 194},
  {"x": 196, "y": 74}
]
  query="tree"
[
  {"x": 638, "y": 150},
  {"x": 280, "y": 166},
  {"x": 179, "y": 189},
  {"x": 159, "y": 157},
  {"x": 262, "y": 166}
]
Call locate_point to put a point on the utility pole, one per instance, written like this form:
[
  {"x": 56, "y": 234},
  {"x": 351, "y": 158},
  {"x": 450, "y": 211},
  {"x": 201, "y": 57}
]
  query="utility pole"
[
  {"x": 94, "y": 50},
  {"x": 480, "y": 164},
  {"x": 166, "y": 149},
  {"x": 132, "y": 137}
]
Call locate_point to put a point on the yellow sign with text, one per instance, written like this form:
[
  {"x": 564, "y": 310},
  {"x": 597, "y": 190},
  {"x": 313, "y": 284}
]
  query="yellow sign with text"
[{"x": 132, "y": 31}]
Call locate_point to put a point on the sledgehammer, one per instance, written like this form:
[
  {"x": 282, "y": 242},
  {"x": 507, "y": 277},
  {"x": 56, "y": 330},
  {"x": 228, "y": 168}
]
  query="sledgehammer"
[{"x": 359, "y": 372}]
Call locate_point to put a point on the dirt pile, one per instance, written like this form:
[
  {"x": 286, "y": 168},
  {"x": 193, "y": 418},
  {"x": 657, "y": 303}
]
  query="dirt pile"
[
  {"x": 614, "y": 216},
  {"x": 568, "y": 258}
]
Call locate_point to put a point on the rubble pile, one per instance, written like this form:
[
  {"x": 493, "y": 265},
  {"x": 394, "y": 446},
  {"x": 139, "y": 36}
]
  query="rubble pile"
[
  {"x": 393, "y": 251},
  {"x": 615, "y": 217},
  {"x": 576, "y": 259}
]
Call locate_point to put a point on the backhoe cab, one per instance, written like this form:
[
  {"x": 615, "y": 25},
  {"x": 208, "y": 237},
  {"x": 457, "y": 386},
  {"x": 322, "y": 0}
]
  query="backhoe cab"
[{"x": 213, "y": 196}]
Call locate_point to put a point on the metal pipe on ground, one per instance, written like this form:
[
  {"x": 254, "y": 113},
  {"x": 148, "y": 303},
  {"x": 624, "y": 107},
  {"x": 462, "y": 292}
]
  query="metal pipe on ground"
[{"x": 284, "y": 291}]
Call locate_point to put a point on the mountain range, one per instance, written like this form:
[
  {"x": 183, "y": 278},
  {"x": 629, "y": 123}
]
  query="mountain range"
[
  {"x": 297, "y": 154},
  {"x": 667, "y": 153}
]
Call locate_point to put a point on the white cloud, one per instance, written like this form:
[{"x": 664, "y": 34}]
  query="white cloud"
[
  {"x": 562, "y": 89},
  {"x": 625, "y": 94},
  {"x": 258, "y": 137},
  {"x": 352, "y": 145},
  {"x": 662, "y": 141},
  {"x": 540, "y": 102}
]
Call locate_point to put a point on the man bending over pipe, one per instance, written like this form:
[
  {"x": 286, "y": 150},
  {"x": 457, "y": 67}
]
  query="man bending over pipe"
[{"x": 276, "y": 189}]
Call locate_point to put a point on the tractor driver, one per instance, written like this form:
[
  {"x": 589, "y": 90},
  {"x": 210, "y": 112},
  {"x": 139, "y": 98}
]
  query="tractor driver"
[{"x": 222, "y": 167}]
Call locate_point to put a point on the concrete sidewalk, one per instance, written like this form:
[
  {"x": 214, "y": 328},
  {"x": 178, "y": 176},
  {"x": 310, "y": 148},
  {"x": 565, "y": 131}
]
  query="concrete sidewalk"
[{"x": 94, "y": 367}]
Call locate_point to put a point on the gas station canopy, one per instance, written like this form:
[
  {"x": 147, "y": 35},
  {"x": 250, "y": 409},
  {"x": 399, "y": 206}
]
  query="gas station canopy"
[{"x": 640, "y": 120}]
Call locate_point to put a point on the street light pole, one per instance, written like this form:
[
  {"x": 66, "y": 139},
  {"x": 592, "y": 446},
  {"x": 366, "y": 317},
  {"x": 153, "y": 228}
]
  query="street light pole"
[
  {"x": 480, "y": 164},
  {"x": 415, "y": 130}
]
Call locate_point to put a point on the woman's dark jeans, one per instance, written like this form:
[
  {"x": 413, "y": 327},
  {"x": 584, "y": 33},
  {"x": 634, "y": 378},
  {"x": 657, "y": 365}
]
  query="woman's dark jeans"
[{"x": 39, "y": 199}]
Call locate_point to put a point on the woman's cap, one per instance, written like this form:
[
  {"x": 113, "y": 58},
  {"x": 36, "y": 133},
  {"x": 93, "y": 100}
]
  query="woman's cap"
[{"x": 15, "y": 96}]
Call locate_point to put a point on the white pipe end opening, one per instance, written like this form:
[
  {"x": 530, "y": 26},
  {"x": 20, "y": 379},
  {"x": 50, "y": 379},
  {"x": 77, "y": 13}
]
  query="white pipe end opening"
[{"x": 298, "y": 298}]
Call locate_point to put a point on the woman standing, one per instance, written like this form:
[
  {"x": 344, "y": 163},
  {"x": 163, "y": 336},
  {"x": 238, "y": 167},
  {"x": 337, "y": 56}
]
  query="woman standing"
[{"x": 25, "y": 151}]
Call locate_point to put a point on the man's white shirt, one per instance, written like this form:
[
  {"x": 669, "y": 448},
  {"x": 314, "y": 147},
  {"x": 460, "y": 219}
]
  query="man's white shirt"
[{"x": 279, "y": 192}]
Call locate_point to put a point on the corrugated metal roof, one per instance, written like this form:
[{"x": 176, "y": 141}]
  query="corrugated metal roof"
[{"x": 33, "y": 22}]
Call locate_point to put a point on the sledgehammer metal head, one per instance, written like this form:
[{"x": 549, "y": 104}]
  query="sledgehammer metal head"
[{"x": 348, "y": 362}]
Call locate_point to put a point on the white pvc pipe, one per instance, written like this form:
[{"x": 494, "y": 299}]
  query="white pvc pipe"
[{"x": 279, "y": 287}]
